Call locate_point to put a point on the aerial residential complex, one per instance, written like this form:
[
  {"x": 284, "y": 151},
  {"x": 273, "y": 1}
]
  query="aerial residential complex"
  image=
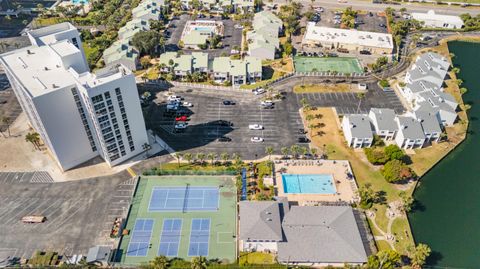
[
  {"x": 431, "y": 109},
  {"x": 122, "y": 51},
  {"x": 302, "y": 235},
  {"x": 263, "y": 41},
  {"x": 220, "y": 69},
  {"x": 351, "y": 40},
  {"x": 79, "y": 115}
]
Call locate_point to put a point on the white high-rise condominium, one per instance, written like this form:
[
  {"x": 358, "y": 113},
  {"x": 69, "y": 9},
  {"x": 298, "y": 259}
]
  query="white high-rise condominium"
[{"x": 79, "y": 115}]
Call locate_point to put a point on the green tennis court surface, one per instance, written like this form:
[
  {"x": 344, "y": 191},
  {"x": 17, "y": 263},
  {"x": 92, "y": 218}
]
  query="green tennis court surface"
[
  {"x": 330, "y": 64},
  {"x": 181, "y": 216}
]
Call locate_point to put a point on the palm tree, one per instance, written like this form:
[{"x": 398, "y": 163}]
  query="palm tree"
[
  {"x": 6, "y": 121},
  {"x": 269, "y": 152},
  {"x": 188, "y": 157},
  {"x": 360, "y": 96},
  {"x": 309, "y": 117},
  {"x": 199, "y": 262},
  {"x": 159, "y": 262},
  {"x": 303, "y": 150},
  {"x": 294, "y": 150},
  {"x": 177, "y": 156},
  {"x": 33, "y": 138},
  {"x": 284, "y": 151},
  {"x": 313, "y": 151},
  {"x": 224, "y": 156},
  {"x": 211, "y": 156},
  {"x": 201, "y": 157}
]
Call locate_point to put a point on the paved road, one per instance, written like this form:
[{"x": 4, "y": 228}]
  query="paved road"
[{"x": 411, "y": 7}]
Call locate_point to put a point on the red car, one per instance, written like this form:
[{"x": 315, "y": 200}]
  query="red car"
[{"x": 181, "y": 118}]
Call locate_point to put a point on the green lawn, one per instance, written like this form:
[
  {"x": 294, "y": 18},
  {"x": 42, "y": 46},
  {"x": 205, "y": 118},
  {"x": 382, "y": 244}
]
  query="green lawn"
[
  {"x": 256, "y": 258},
  {"x": 222, "y": 243}
]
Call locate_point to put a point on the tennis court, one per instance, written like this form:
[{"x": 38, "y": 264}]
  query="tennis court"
[
  {"x": 142, "y": 232},
  {"x": 185, "y": 198},
  {"x": 181, "y": 216},
  {"x": 328, "y": 64}
]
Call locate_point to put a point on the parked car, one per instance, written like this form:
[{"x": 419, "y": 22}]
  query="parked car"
[
  {"x": 258, "y": 91},
  {"x": 382, "y": 25},
  {"x": 172, "y": 107},
  {"x": 234, "y": 52},
  {"x": 255, "y": 127},
  {"x": 176, "y": 98},
  {"x": 224, "y": 139},
  {"x": 181, "y": 125},
  {"x": 225, "y": 123},
  {"x": 303, "y": 140},
  {"x": 365, "y": 52},
  {"x": 331, "y": 54},
  {"x": 256, "y": 139},
  {"x": 342, "y": 50},
  {"x": 302, "y": 131},
  {"x": 228, "y": 102},
  {"x": 267, "y": 103},
  {"x": 362, "y": 86},
  {"x": 181, "y": 118},
  {"x": 238, "y": 26},
  {"x": 187, "y": 104}
]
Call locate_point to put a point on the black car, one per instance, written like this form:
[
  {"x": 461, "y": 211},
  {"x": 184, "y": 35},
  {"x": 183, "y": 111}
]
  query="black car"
[
  {"x": 332, "y": 54},
  {"x": 228, "y": 102},
  {"x": 303, "y": 140},
  {"x": 224, "y": 139},
  {"x": 365, "y": 52},
  {"x": 302, "y": 131}
]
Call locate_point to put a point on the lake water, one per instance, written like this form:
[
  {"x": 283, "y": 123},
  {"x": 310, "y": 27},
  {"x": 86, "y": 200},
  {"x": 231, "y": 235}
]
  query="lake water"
[{"x": 447, "y": 217}]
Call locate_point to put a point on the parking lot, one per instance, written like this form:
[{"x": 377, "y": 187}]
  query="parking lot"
[
  {"x": 350, "y": 103},
  {"x": 9, "y": 107},
  {"x": 232, "y": 36},
  {"x": 209, "y": 119},
  {"x": 79, "y": 214},
  {"x": 280, "y": 124}
]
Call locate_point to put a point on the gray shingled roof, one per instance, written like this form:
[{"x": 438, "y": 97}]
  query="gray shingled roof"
[
  {"x": 385, "y": 118},
  {"x": 410, "y": 128},
  {"x": 326, "y": 234},
  {"x": 421, "y": 86},
  {"x": 429, "y": 121},
  {"x": 260, "y": 220},
  {"x": 360, "y": 126}
]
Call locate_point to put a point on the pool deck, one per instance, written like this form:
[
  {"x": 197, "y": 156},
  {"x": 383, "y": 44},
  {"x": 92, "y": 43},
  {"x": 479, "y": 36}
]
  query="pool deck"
[{"x": 346, "y": 188}]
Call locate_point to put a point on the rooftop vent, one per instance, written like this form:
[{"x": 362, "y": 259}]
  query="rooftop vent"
[
  {"x": 269, "y": 219},
  {"x": 46, "y": 68},
  {"x": 29, "y": 52}
]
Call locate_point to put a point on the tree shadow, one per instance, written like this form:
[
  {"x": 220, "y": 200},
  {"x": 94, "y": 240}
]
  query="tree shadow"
[
  {"x": 267, "y": 72},
  {"x": 417, "y": 206},
  {"x": 380, "y": 197},
  {"x": 434, "y": 258}
]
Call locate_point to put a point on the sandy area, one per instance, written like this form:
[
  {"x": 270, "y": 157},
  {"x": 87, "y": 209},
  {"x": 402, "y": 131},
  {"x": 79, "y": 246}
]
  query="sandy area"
[{"x": 18, "y": 155}]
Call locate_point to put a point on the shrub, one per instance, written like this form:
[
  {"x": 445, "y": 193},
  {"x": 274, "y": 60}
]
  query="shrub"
[
  {"x": 395, "y": 171},
  {"x": 375, "y": 156},
  {"x": 384, "y": 83},
  {"x": 393, "y": 152}
]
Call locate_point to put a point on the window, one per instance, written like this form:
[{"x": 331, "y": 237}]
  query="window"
[
  {"x": 107, "y": 95},
  {"x": 97, "y": 98},
  {"x": 75, "y": 42},
  {"x": 132, "y": 148},
  {"x": 117, "y": 91},
  {"x": 99, "y": 106}
]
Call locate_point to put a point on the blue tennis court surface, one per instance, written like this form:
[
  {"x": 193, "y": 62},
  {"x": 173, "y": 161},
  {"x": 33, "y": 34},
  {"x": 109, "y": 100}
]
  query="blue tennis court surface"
[
  {"x": 170, "y": 238},
  {"x": 199, "y": 237},
  {"x": 174, "y": 199},
  {"x": 140, "y": 242}
]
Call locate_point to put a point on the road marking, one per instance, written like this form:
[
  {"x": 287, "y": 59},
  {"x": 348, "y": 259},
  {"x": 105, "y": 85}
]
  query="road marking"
[{"x": 131, "y": 172}]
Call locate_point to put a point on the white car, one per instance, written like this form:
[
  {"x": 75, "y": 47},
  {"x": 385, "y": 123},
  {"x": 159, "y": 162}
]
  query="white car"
[
  {"x": 172, "y": 106},
  {"x": 181, "y": 125},
  {"x": 174, "y": 98},
  {"x": 258, "y": 91},
  {"x": 187, "y": 104},
  {"x": 256, "y": 139},
  {"x": 267, "y": 103},
  {"x": 255, "y": 127},
  {"x": 234, "y": 52},
  {"x": 238, "y": 26},
  {"x": 362, "y": 86}
]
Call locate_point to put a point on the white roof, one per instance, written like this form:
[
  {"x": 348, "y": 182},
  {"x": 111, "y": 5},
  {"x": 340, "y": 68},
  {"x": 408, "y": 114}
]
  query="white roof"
[
  {"x": 431, "y": 16},
  {"x": 38, "y": 70},
  {"x": 346, "y": 36}
]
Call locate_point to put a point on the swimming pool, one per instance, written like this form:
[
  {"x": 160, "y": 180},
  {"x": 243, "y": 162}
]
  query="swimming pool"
[
  {"x": 80, "y": 2},
  {"x": 308, "y": 184},
  {"x": 203, "y": 29}
]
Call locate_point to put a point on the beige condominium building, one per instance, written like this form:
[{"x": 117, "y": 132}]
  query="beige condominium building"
[{"x": 352, "y": 40}]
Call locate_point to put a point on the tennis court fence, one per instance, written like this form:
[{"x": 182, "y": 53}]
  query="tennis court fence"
[{"x": 162, "y": 172}]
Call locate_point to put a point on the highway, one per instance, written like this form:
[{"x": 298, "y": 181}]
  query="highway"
[{"x": 368, "y": 5}]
